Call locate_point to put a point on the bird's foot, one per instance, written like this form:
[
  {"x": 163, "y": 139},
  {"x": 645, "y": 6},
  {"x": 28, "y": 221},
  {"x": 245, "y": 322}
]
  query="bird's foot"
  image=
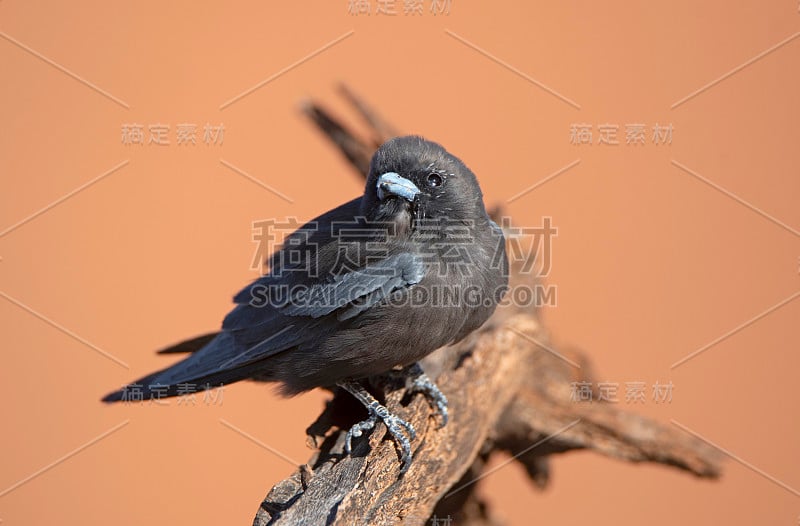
[
  {"x": 402, "y": 432},
  {"x": 419, "y": 382}
]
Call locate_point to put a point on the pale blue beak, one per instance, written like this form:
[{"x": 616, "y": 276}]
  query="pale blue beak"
[{"x": 392, "y": 183}]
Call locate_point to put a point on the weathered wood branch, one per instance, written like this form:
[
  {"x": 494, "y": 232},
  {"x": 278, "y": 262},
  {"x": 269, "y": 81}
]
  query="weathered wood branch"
[{"x": 509, "y": 390}]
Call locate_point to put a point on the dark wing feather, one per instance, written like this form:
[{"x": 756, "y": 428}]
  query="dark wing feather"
[
  {"x": 370, "y": 284},
  {"x": 192, "y": 345},
  {"x": 253, "y": 333}
]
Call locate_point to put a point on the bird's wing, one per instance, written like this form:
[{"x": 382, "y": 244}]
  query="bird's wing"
[
  {"x": 315, "y": 233},
  {"x": 345, "y": 294},
  {"x": 189, "y": 346},
  {"x": 312, "y": 233},
  {"x": 251, "y": 333},
  {"x": 357, "y": 290}
]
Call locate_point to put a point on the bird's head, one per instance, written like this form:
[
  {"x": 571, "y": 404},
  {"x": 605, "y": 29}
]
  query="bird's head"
[{"x": 412, "y": 180}]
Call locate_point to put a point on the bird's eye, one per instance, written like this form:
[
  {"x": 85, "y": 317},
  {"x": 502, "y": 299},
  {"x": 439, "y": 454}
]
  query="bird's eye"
[{"x": 434, "y": 180}]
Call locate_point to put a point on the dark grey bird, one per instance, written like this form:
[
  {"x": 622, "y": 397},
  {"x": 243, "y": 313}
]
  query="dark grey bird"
[{"x": 373, "y": 285}]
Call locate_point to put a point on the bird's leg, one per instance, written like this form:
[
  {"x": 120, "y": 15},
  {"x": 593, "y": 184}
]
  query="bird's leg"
[
  {"x": 419, "y": 382},
  {"x": 394, "y": 424}
]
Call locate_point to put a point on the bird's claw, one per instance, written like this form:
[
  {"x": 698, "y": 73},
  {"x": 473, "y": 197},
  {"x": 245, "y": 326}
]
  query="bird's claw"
[
  {"x": 394, "y": 424},
  {"x": 419, "y": 382},
  {"x": 424, "y": 385}
]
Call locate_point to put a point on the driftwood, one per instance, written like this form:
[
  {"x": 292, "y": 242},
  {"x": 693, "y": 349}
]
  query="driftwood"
[{"x": 509, "y": 390}]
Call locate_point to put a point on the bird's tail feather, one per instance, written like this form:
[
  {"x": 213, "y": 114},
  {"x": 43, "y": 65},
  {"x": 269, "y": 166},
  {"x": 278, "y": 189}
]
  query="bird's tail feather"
[
  {"x": 191, "y": 345},
  {"x": 147, "y": 388},
  {"x": 199, "y": 371}
]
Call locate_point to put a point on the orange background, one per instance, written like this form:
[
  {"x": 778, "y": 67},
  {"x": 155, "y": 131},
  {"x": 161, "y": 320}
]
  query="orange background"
[{"x": 651, "y": 264}]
